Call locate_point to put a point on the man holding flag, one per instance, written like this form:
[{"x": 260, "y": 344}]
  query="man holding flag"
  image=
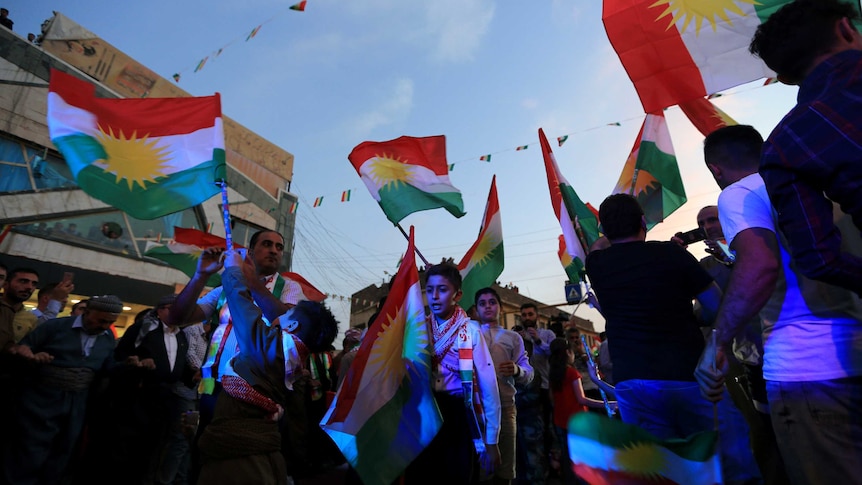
[{"x": 271, "y": 292}]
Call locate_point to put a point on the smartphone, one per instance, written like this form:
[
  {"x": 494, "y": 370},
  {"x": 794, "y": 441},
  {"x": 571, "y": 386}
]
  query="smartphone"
[{"x": 693, "y": 236}]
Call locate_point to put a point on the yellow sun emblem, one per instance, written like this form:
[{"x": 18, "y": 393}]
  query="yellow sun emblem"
[
  {"x": 386, "y": 170},
  {"x": 138, "y": 160},
  {"x": 641, "y": 459},
  {"x": 487, "y": 244},
  {"x": 700, "y": 10},
  {"x": 386, "y": 353}
]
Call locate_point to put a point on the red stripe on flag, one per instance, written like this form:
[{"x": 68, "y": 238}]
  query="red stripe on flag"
[
  {"x": 429, "y": 152},
  {"x": 654, "y": 56},
  {"x": 146, "y": 116},
  {"x": 465, "y": 354},
  {"x": 194, "y": 237},
  {"x": 596, "y": 476}
]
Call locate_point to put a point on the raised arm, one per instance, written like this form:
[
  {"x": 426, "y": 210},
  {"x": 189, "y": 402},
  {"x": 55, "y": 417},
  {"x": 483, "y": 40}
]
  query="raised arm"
[{"x": 185, "y": 310}]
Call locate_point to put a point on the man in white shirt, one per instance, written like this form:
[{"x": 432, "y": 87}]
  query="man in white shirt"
[{"x": 812, "y": 330}]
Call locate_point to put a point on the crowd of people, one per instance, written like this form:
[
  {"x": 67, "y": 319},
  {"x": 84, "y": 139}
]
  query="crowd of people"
[{"x": 761, "y": 340}]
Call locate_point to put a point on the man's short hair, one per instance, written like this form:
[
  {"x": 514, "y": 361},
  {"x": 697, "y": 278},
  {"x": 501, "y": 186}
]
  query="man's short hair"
[
  {"x": 736, "y": 146},
  {"x": 256, "y": 236},
  {"x": 621, "y": 216},
  {"x": 46, "y": 290},
  {"x": 82, "y": 302},
  {"x": 791, "y": 38},
  {"x": 18, "y": 271},
  {"x": 530, "y": 305},
  {"x": 448, "y": 271},
  {"x": 486, "y": 291}
]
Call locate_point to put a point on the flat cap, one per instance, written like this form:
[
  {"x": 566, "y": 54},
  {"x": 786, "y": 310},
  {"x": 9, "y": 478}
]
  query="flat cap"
[{"x": 105, "y": 303}]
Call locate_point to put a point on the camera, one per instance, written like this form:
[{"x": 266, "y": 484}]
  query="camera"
[{"x": 693, "y": 236}]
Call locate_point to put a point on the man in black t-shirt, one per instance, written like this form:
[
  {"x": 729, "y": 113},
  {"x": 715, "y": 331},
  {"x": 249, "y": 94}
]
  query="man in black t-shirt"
[{"x": 645, "y": 289}]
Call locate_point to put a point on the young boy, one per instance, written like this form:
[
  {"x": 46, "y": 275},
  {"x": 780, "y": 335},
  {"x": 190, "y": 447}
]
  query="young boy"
[
  {"x": 243, "y": 443},
  {"x": 513, "y": 366},
  {"x": 458, "y": 344}
]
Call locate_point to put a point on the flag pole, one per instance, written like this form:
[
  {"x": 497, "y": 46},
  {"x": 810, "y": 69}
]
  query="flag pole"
[
  {"x": 228, "y": 236},
  {"x": 398, "y": 225},
  {"x": 713, "y": 340}
]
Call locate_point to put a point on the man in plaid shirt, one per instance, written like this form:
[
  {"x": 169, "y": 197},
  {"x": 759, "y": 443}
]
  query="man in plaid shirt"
[{"x": 814, "y": 156}]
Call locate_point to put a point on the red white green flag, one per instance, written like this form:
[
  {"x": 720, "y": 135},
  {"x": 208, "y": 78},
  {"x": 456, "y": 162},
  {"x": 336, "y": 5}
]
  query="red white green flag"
[
  {"x": 184, "y": 250},
  {"x": 705, "y": 116},
  {"x": 148, "y": 157},
  {"x": 651, "y": 173},
  {"x": 407, "y": 175},
  {"x": 308, "y": 291},
  {"x": 607, "y": 451},
  {"x": 300, "y": 7},
  {"x": 384, "y": 413},
  {"x": 573, "y": 267},
  {"x": 675, "y": 50},
  {"x": 574, "y": 216},
  {"x": 484, "y": 261}
]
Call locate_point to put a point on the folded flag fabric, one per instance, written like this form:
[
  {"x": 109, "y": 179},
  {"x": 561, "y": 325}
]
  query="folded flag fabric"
[
  {"x": 484, "y": 261},
  {"x": 705, "y": 116},
  {"x": 675, "y": 51},
  {"x": 148, "y": 157},
  {"x": 384, "y": 413},
  {"x": 306, "y": 291},
  {"x": 574, "y": 216},
  {"x": 407, "y": 175},
  {"x": 607, "y": 451},
  {"x": 185, "y": 249},
  {"x": 651, "y": 173}
]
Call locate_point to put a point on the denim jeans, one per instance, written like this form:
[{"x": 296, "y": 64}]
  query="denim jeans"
[
  {"x": 676, "y": 409},
  {"x": 818, "y": 426}
]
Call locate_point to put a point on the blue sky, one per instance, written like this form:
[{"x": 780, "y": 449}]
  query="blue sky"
[{"x": 485, "y": 74}]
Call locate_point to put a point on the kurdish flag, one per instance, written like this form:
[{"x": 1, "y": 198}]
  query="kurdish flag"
[
  {"x": 147, "y": 157},
  {"x": 573, "y": 267},
  {"x": 705, "y": 116},
  {"x": 676, "y": 51},
  {"x": 407, "y": 175},
  {"x": 483, "y": 263},
  {"x": 384, "y": 413},
  {"x": 606, "y": 451},
  {"x": 567, "y": 204},
  {"x": 651, "y": 173},
  {"x": 184, "y": 250},
  {"x": 301, "y": 287}
]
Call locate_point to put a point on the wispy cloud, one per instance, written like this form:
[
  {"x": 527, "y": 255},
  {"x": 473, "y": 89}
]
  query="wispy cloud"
[
  {"x": 458, "y": 26},
  {"x": 395, "y": 107}
]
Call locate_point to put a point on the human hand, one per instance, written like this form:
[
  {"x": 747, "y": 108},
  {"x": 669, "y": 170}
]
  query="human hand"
[
  {"x": 210, "y": 261},
  {"x": 594, "y": 373},
  {"x": 678, "y": 240},
  {"x": 147, "y": 364},
  {"x": 715, "y": 250},
  {"x": 490, "y": 460},
  {"x": 274, "y": 417},
  {"x": 710, "y": 371},
  {"x": 63, "y": 289},
  {"x": 507, "y": 368},
  {"x": 533, "y": 333}
]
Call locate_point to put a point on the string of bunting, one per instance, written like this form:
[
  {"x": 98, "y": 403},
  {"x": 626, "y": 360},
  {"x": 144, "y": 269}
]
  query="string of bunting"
[
  {"x": 299, "y": 7},
  {"x": 344, "y": 196}
]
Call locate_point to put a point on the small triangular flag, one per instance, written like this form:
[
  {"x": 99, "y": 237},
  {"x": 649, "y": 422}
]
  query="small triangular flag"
[
  {"x": 299, "y": 7},
  {"x": 562, "y": 139},
  {"x": 485, "y": 158},
  {"x": 522, "y": 147}
]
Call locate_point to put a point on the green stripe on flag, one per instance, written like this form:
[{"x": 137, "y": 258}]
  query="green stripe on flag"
[
  {"x": 616, "y": 434},
  {"x": 399, "y": 199}
]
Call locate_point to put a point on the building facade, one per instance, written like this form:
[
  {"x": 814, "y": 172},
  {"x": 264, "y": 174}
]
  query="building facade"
[{"x": 50, "y": 225}]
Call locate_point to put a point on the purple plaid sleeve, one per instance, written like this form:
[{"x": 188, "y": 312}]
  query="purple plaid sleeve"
[{"x": 814, "y": 157}]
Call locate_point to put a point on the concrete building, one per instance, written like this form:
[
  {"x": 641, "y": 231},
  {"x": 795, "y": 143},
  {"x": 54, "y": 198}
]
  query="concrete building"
[{"x": 55, "y": 227}]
